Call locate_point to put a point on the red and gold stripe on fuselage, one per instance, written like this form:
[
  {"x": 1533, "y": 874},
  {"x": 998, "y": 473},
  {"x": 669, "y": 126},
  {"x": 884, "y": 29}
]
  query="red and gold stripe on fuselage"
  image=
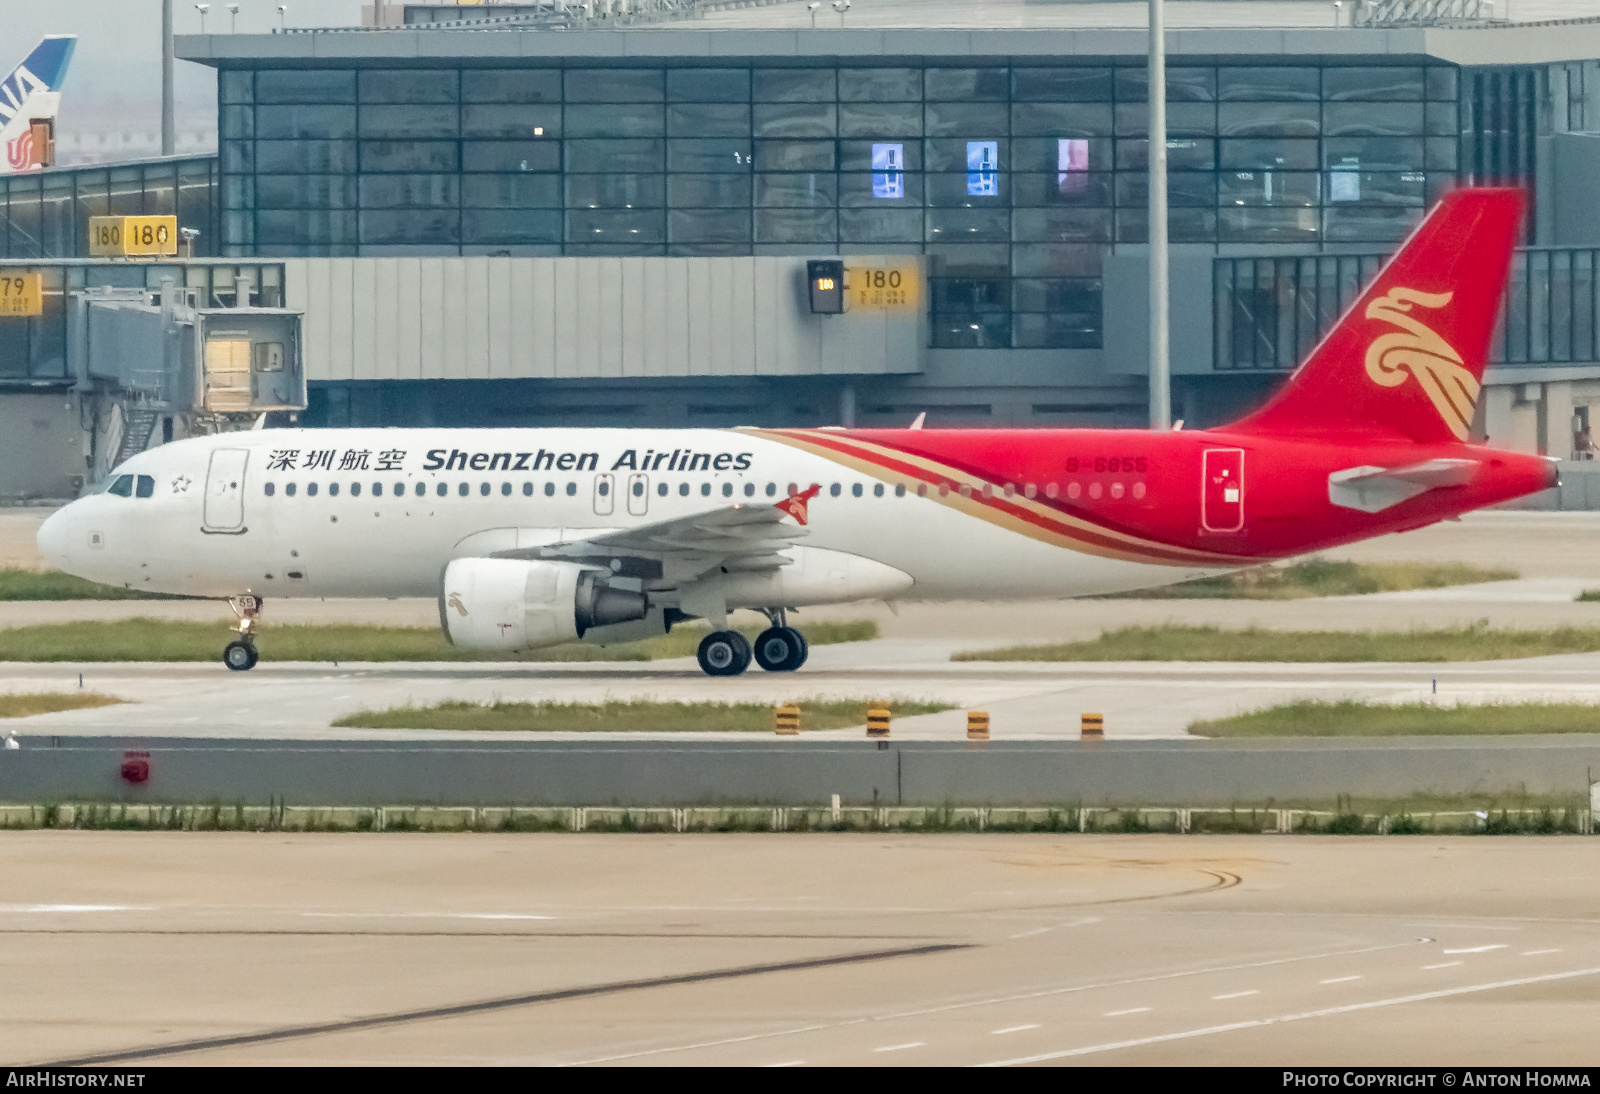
[{"x": 1043, "y": 519}]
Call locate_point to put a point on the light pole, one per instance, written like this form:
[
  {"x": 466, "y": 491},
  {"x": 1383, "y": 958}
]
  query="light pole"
[
  {"x": 1160, "y": 377},
  {"x": 202, "y": 9},
  {"x": 168, "y": 124},
  {"x": 233, "y": 18},
  {"x": 283, "y": 16}
]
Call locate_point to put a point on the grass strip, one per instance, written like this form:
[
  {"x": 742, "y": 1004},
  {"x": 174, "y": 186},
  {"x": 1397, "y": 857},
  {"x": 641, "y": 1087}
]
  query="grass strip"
[
  {"x": 1322, "y": 577},
  {"x": 1354, "y": 718},
  {"x": 615, "y": 716},
  {"x": 144, "y": 639},
  {"x": 54, "y": 585},
  {"x": 1176, "y": 642},
  {"x": 26, "y": 704}
]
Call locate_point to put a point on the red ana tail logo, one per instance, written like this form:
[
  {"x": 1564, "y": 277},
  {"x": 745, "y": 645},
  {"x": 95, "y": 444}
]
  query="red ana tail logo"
[
  {"x": 795, "y": 504},
  {"x": 19, "y": 151}
]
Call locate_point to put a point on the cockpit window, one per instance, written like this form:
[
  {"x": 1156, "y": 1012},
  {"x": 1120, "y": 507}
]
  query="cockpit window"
[
  {"x": 122, "y": 487},
  {"x": 146, "y": 487}
]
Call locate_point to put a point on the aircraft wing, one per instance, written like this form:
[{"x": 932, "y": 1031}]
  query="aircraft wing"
[
  {"x": 1374, "y": 489},
  {"x": 735, "y": 539}
]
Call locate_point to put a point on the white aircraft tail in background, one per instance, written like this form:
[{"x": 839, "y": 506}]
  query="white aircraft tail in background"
[{"x": 29, "y": 97}]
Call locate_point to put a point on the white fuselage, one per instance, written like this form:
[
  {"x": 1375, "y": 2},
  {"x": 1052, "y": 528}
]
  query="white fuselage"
[{"x": 381, "y": 512}]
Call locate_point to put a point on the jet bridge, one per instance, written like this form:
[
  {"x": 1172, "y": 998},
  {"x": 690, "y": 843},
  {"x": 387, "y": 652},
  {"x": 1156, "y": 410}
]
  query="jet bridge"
[{"x": 157, "y": 353}]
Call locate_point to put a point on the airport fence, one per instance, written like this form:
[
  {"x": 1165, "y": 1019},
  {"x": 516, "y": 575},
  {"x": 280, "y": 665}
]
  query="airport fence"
[{"x": 1264, "y": 820}]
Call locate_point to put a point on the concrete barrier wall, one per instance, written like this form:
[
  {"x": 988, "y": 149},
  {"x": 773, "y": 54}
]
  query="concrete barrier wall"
[{"x": 649, "y": 773}]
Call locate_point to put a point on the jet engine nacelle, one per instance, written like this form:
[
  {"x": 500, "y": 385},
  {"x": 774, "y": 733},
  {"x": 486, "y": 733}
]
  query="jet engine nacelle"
[{"x": 511, "y": 604}]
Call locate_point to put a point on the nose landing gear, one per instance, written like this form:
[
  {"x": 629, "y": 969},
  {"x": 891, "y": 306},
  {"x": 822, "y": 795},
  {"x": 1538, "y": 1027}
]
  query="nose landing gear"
[{"x": 240, "y": 655}]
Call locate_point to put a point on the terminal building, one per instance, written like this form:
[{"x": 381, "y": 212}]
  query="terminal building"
[{"x": 494, "y": 222}]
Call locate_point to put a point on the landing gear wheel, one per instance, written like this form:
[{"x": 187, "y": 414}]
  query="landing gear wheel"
[
  {"x": 780, "y": 649},
  {"x": 805, "y": 650},
  {"x": 724, "y": 653},
  {"x": 240, "y": 656}
]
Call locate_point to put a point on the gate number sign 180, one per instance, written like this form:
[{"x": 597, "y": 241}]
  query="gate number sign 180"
[{"x": 117, "y": 236}]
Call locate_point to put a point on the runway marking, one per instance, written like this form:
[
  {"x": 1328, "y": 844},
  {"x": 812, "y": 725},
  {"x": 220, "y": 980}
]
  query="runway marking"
[
  {"x": 423, "y": 915},
  {"x": 1238, "y": 994},
  {"x": 1443, "y": 965},
  {"x": 1326, "y": 1012},
  {"x": 505, "y": 1003},
  {"x": 1339, "y": 980},
  {"x": 1536, "y": 953},
  {"x": 1130, "y": 1010},
  {"x": 897, "y": 1048},
  {"x": 1015, "y": 1029},
  {"x": 1018, "y": 997},
  {"x": 46, "y": 909},
  {"x": 1481, "y": 949}
]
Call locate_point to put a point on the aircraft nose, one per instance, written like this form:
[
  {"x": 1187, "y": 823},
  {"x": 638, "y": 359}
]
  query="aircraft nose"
[{"x": 52, "y": 538}]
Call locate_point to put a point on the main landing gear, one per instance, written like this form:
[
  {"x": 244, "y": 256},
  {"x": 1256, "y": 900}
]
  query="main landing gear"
[
  {"x": 779, "y": 648},
  {"x": 240, "y": 655}
]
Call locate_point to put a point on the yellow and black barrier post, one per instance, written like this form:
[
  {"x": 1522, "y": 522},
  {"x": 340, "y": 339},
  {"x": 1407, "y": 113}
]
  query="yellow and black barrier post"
[
  {"x": 1093, "y": 727},
  {"x": 977, "y": 725},
  {"x": 878, "y": 723},
  {"x": 786, "y": 720}
]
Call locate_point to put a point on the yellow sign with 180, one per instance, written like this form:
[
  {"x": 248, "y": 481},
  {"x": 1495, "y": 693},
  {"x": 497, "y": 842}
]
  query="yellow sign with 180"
[
  {"x": 884, "y": 287},
  {"x": 113, "y": 237}
]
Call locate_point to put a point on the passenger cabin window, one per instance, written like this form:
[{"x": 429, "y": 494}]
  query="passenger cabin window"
[
  {"x": 122, "y": 487},
  {"x": 683, "y": 489},
  {"x": 269, "y": 489},
  {"x": 527, "y": 489},
  {"x": 572, "y": 489},
  {"x": 549, "y": 489},
  {"x": 311, "y": 489},
  {"x": 505, "y": 489},
  {"x": 463, "y": 489},
  {"x": 727, "y": 489},
  {"x": 289, "y": 489},
  {"x": 662, "y": 489},
  {"x": 333, "y": 490},
  {"x": 355, "y": 489}
]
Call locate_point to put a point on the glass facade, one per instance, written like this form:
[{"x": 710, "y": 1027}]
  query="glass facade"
[
  {"x": 1270, "y": 312},
  {"x": 45, "y": 214},
  {"x": 1013, "y": 178}
]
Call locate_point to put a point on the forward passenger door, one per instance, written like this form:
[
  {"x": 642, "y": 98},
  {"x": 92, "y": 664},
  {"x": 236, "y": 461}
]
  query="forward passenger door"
[{"x": 224, "y": 504}]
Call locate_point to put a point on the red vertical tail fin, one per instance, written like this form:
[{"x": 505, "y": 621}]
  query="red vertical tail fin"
[{"x": 1408, "y": 357}]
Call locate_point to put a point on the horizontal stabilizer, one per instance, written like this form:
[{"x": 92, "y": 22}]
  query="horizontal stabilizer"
[{"x": 1374, "y": 489}]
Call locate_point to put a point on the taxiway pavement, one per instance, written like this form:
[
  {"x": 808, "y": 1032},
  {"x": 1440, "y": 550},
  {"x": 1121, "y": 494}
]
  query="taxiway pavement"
[
  {"x": 1025, "y": 701},
  {"x": 145, "y": 949}
]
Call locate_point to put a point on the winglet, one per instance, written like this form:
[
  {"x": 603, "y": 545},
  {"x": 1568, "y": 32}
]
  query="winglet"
[{"x": 795, "y": 504}]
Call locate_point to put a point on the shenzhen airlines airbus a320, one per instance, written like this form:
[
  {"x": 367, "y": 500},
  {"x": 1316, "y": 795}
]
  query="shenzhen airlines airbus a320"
[{"x": 531, "y": 537}]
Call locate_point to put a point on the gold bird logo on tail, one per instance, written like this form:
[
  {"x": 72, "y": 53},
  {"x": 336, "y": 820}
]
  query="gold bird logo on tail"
[{"x": 1419, "y": 351}]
